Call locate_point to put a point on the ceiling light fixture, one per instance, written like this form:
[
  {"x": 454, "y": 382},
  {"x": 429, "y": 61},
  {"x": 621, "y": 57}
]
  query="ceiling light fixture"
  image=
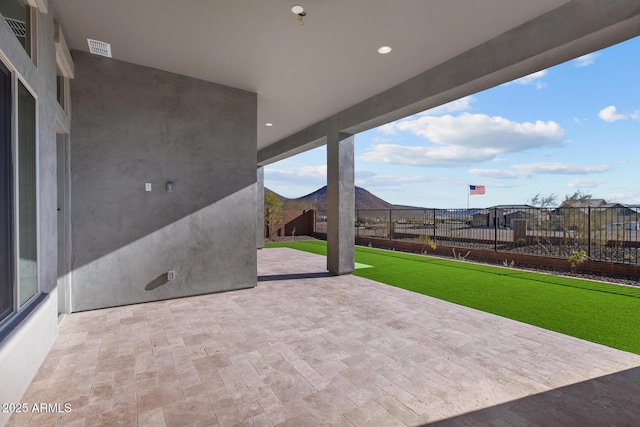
[
  {"x": 298, "y": 10},
  {"x": 268, "y": 124},
  {"x": 383, "y": 50}
]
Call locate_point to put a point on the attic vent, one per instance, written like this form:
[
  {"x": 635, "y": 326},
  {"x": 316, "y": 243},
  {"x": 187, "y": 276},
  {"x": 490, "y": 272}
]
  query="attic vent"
[
  {"x": 99, "y": 48},
  {"x": 19, "y": 28}
]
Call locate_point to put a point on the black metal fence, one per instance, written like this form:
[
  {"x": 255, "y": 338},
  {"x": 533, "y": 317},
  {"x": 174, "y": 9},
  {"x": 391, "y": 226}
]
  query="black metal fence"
[{"x": 610, "y": 234}]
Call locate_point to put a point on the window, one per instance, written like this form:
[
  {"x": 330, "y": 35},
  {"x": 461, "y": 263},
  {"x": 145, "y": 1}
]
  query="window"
[
  {"x": 64, "y": 68},
  {"x": 18, "y": 195},
  {"x": 61, "y": 89},
  {"x": 27, "y": 196},
  {"x": 19, "y": 16}
]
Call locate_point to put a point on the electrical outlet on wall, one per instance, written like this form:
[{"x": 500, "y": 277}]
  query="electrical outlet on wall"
[
  {"x": 147, "y": 186},
  {"x": 171, "y": 275}
]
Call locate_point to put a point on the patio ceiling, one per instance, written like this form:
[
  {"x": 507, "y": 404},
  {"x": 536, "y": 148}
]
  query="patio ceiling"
[{"x": 301, "y": 73}]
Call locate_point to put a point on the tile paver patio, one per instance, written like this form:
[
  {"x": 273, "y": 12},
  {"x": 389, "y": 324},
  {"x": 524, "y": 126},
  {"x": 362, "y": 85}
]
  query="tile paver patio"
[{"x": 306, "y": 349}]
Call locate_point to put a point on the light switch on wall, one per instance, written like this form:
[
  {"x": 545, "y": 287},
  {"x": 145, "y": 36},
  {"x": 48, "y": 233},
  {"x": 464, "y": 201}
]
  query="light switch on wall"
[{"x": 147, "y": 186}]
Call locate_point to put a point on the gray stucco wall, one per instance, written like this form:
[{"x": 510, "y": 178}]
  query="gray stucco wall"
[
  {"x": 28, "y": 342},
  {"x": 131, "y": 125}
]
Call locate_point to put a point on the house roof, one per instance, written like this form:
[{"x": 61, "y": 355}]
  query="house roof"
[
  {"x": 513, "y": 207},
  {"x": 326, "y": 74},
  {"x": 593, "y": 203}
]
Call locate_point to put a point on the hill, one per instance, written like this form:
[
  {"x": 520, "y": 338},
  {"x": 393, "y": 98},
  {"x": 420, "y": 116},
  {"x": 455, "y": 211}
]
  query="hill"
[{"x": 318, "y": 200}]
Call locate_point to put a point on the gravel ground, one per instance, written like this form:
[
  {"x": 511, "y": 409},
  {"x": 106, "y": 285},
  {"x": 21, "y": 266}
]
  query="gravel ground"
[{"x": 619, "y": 280}]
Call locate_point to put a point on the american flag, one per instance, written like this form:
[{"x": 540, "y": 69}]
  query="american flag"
[{"x": 476, "y": 189}]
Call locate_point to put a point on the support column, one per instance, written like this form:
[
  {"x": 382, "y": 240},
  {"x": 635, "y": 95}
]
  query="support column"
[
  {"x": 260, "y": 208},
  {"x": 340, "y": 204}
]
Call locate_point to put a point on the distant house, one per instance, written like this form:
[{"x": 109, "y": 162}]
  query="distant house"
[
  {"x": 480, "y": 219},
  {"x": 504, "y": 215},
  {"x": 583, "y": 203},
  {"x": 611, "y": 216}
]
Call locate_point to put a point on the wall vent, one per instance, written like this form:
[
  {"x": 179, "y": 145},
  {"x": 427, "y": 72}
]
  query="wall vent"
[
  {"x": 19, "y": 28},
  {"x": 99, "y": 48}
]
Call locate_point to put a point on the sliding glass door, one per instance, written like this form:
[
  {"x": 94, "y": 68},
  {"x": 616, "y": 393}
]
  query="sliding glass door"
[{"x": 18, "y": 197}]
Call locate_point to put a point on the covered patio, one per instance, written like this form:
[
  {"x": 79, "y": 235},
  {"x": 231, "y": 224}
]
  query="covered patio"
[{"x": 306, "y": 348}]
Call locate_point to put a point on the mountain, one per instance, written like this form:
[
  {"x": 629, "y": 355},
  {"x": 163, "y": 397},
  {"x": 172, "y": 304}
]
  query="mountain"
[{"x": 318, "y": 200}]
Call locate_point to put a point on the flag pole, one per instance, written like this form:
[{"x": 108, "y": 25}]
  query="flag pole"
[{"x": 468, "y": 191}]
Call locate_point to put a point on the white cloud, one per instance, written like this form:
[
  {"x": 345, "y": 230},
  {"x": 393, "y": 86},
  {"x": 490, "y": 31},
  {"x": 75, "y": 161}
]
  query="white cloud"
[
  {"x": 381, "y": 140},
  {"x": 388, "y": 129},
  {"x": 609, "y": 114},
  {"x": 458, "y": 105},
  {"x": 392, "y": 180},
  {"x": 464, "y": 139},
  {"x": 585, "y": 183},
  {"x": 480, "y": 130},
  {"x": 560, "y": 168},
  {"x": 496, "y": 173},
  {"x": 625, "y": 196},
  {"x": 424, "y": 156},
  {"x": 531, "y": 78},
  {"x": 290, "y": 172},
  {"x": 462, "y": 104},
  {"x": 527, "y": 170},
  {"x": 586, "y": 60}
]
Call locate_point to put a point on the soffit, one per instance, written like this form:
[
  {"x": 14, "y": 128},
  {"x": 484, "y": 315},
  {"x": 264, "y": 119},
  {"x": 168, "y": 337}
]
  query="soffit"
[{"x": 301, "y": 73}]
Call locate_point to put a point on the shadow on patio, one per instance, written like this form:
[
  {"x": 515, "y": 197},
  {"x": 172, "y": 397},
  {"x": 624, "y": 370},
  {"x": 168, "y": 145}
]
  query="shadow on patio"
[
  {"x": 304, "y": 348},
  {"x": 608, "y": 400}
]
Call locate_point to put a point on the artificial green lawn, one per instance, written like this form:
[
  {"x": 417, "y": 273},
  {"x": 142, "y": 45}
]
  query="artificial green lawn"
[{"x": 599, "y": 312}]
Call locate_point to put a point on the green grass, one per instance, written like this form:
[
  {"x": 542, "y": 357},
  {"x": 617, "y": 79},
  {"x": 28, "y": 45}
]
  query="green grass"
[{"x": 599, "y": 312}]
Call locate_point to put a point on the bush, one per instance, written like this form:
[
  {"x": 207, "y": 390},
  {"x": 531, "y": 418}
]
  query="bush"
[{"x": 577, "y": 258}]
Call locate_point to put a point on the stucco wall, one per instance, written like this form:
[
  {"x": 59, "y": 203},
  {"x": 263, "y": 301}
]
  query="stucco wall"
[
  {"x": 26, "y": 342},
  {"x": 132, "y": 125}
]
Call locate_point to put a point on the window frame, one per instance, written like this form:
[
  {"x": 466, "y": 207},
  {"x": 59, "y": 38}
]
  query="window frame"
[
  {"x": 16, "y": 194},
  {"x": 32, "y": 11},
  {"x": 64, "y": 67},
  {"x": 10, "y": 196},
  {"x": 19, "y": 309}
]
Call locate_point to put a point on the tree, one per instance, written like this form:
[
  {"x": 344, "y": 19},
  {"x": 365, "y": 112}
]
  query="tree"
[
  {"x": 541, "y": 201},
  {"x": 272, "y": 208},
  {"x": 578, "y": 195}
]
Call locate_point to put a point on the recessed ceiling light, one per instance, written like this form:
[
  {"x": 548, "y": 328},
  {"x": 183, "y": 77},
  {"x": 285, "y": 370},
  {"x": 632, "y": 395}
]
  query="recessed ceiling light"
[
  {"x": 298, "y": 10},
  {"x": 383, "y": 50},
  {"x": 268, "y": 124}
]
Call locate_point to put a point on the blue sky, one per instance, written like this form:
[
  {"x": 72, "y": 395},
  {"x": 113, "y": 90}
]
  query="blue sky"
[{"x": 575, "y": 126}]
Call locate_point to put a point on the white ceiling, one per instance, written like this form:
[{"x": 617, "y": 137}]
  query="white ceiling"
[{"x": 301, "y": 73}]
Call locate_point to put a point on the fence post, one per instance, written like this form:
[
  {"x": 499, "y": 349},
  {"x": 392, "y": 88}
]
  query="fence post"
[
  {"x": 434, "y": 224},
  {"x": 589, "y": 231},
  {"x": 495, "y": 229}
]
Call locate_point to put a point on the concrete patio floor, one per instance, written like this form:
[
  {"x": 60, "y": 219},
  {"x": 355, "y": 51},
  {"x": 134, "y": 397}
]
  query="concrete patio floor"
[{"x": 305, "y": 349}]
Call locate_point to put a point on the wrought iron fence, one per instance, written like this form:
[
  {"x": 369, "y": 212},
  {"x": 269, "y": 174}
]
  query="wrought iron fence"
[{"x": 610, "y": 234}]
